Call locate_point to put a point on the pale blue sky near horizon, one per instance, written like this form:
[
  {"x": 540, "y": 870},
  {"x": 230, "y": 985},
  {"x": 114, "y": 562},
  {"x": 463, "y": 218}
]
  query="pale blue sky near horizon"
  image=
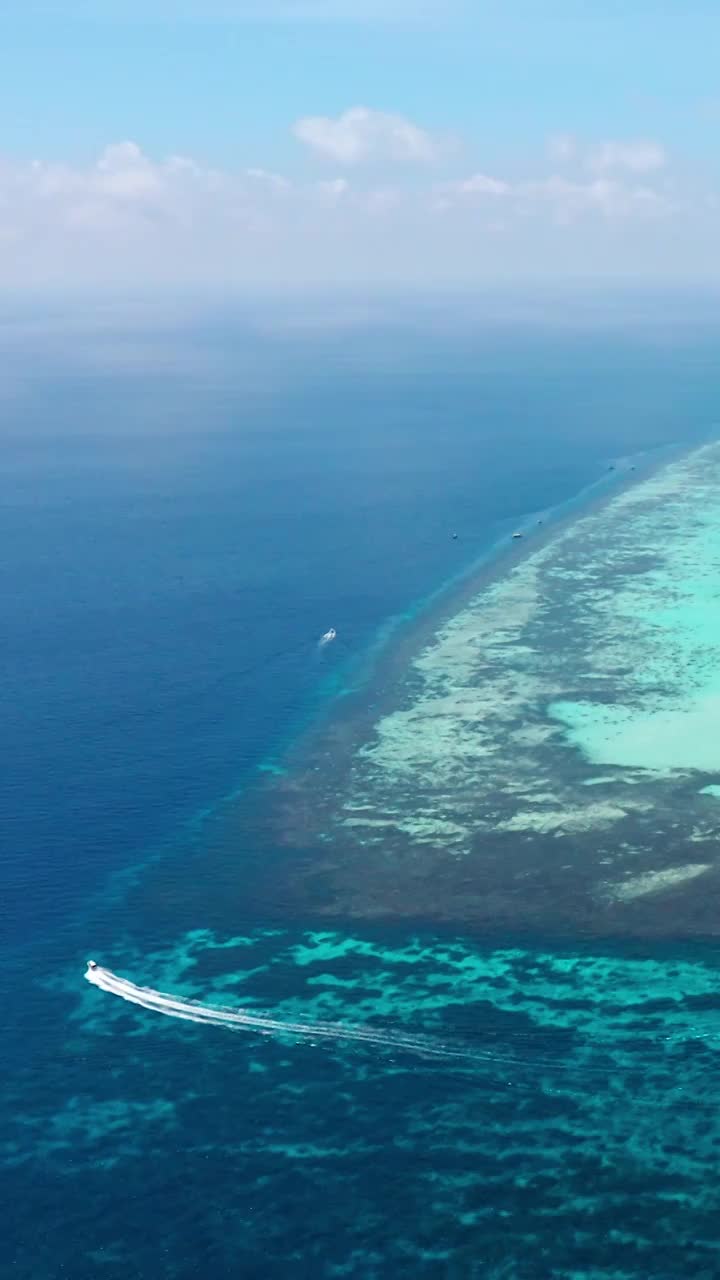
[{"x": 527, "y": 124}]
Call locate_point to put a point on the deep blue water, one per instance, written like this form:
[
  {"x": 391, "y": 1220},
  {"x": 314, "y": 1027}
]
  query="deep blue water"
[{"x": 188, "y": 501}]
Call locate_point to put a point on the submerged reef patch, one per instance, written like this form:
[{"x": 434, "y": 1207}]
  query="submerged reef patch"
[{"x": 577, "y": 1118}]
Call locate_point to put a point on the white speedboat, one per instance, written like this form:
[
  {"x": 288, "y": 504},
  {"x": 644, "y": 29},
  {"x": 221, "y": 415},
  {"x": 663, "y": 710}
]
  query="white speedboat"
[{"x": 329, "y": 636}]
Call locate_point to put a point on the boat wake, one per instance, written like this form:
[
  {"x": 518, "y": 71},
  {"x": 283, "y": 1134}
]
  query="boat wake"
[
  {"x": 239, "y": 1020},
  {"x": 526, "y": 1055}
]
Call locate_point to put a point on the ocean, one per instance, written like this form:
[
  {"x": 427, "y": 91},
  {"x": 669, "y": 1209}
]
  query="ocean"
[{"x": 192, "y": 494}]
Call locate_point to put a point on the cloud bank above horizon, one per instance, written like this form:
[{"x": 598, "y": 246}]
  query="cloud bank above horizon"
[{"x": 384, "y": 199}]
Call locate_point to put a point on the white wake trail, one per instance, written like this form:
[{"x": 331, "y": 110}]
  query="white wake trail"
[
  {"x": 238, "y": 1019},
  {"x": 171, "y": 1006}
]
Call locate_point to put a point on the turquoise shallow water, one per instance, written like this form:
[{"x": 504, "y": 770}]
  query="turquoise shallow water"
[{"x": 668, "y": 620}]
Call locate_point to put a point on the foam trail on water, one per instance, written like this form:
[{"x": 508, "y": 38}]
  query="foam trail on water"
[
  {"x": 526, "y": 1057},
  {"x": 238, "y": 1019}
]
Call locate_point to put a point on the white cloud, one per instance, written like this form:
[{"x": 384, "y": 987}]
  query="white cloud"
[
  {"x": 268, "y": 181},
  {"x": 481, "y": 185},
  {"x": 639, "y": 156},
  {"x": 334, "y": 189},
  {"x": 611, "y": 199},
  {"x": 135, "y": 220},
  {"x": 126, "y": 174},
  {"x": 562, "y": 199},
  {"x": 360, "y": 134},
  {"x": 633, "y": 157}
]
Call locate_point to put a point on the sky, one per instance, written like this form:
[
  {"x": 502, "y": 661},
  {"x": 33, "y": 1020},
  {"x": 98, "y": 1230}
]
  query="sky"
[{"x": 321, "y": 142}]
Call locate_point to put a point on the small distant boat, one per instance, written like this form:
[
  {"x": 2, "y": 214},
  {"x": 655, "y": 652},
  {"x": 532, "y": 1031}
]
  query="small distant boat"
[
  {"x": 329, "y": 636},
  {"x": 518, "y": 534}
]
